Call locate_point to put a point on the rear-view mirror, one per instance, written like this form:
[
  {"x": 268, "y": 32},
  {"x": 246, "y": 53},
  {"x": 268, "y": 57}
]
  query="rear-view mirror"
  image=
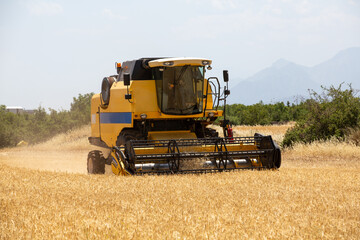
[
  {"x": 126, "y": 79},
  {"x": 226, "y": 75}
]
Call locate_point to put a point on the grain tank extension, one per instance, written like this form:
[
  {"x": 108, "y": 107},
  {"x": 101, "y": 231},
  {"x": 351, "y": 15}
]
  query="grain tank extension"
[{"x": 154, "y": 117}]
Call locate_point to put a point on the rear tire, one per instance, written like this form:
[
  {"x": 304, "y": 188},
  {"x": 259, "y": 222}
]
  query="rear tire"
[{"x": 96, "y": 162}]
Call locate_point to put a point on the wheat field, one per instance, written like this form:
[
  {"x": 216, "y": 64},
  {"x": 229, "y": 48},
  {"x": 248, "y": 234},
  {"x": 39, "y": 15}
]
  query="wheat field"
[{"x": 46, "y": 194}]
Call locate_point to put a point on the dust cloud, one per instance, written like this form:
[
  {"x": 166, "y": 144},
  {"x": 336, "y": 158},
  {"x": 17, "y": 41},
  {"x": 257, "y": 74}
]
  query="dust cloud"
[{"x": 65, "y": 153}]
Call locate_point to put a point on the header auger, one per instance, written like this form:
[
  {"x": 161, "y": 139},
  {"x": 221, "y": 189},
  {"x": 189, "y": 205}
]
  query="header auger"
[{"x": 154, "y": 115}]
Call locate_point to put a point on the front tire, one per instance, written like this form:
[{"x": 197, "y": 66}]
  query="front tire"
[
  {"x": 124, "y": 139},
  {"x": 95, "y": 162},
  {"x": 128, "y": 134}
]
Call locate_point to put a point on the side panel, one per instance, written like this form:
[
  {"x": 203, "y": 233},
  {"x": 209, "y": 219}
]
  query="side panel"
[
  {"x": 144, "y": 96},
  {"x": 116, "y": 116},
  {"x": 95, "y": 103}
]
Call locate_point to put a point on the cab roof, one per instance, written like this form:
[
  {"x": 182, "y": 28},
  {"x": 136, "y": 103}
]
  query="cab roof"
[{"x": 174, "y": 62}]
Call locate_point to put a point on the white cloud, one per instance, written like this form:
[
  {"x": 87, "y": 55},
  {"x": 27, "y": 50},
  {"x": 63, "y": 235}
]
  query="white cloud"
[
  {"x": 109, "y": 13},
  {"x": 304, "y": 7},
  {"x": 269, "y": 8},
  {"x": 223, "y": 4},
  {"x": 44, "y": 8},
  {"x": 217, "y": 4},
  {"x": 302, "y": 24},
  {"x": 353, "y": 3}
]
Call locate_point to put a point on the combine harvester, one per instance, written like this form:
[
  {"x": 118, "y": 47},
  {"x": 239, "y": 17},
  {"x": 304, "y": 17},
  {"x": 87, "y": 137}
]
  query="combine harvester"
[{"x": 154, "y": 117}]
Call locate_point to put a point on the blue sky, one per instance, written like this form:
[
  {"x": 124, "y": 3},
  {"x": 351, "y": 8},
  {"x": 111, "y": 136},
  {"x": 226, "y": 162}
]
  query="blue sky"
[{"x": 50, "y": 51}]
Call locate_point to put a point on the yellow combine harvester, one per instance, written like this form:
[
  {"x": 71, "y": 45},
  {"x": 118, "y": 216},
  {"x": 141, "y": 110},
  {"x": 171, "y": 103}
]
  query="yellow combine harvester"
[{"x": 154, "y": 117}]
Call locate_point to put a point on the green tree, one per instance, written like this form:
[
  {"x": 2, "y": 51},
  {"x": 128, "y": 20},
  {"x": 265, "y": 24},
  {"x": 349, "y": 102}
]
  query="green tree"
[{"x": 81, "y": 108}]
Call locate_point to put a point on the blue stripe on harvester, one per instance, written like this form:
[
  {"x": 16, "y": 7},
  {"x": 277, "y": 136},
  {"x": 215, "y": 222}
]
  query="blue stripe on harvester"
[{"x": 115, "y": 117}]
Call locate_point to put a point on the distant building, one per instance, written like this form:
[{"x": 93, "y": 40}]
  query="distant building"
[
  {"x": 16, "y": 110},
  {"x": 19, "y": 110}
]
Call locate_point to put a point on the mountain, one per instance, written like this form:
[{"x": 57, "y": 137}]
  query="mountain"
[
  {"x": 344, "y": 67},
  {"x": 284, "y": 80}
]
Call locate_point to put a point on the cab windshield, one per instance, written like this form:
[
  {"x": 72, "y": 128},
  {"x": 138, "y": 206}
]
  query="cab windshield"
[{"x": 179, "y": 89}]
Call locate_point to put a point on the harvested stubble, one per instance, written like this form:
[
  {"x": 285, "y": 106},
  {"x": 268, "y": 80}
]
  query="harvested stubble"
[{"x": 303, "y": 200}]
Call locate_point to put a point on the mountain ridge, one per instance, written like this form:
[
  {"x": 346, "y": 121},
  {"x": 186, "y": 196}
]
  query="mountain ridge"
[{"x": 285, "y": 80}]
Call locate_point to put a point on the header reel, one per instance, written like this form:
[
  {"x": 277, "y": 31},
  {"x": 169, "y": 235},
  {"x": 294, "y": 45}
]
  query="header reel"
[{"x": 195, "y": 155}]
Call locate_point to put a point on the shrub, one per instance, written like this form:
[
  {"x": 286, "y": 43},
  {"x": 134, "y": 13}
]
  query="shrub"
[
  {"x": 353, "y": 136},
  {"x": 329, "y": 115}
]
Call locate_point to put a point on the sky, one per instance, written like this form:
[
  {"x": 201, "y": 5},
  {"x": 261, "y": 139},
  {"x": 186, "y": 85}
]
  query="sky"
[{"x": 51, "y": 51}]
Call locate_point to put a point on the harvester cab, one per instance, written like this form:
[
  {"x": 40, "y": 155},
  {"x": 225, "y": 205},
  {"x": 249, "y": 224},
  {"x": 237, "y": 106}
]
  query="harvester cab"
[{"x": 155, "y": 115}]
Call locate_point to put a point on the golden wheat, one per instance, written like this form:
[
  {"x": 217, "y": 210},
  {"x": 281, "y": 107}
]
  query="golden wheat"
[
  {"x": 290, "y": 203},
  {"x": 315, "y": 194},
  {"x": 322, "y": 154},
  {"x": 71, "y": 141}
]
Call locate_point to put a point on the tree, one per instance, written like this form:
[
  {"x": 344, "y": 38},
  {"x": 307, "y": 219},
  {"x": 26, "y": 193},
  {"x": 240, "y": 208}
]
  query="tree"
[{"x": 81, "y": 108}]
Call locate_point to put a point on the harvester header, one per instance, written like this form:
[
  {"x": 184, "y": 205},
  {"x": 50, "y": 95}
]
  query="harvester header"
[{"x": 155, "y": 116}]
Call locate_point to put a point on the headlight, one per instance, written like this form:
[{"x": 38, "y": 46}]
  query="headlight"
[
  {"x": 205, "y": 62},
  {"x": 143, "y": 116},
  {"x": 170, "y": 63},
  {"x": 210, "y": 114}
]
